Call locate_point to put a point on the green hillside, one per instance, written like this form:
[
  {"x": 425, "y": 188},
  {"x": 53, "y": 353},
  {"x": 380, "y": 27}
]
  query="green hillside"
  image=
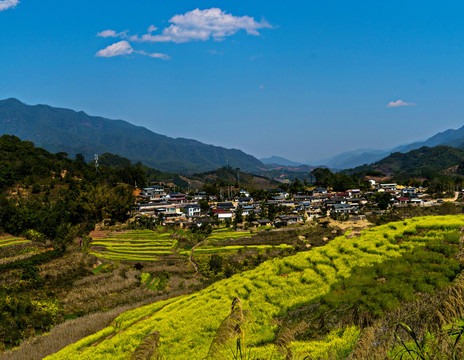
[
  {"x": 424, "y": 162},
  {"x": 57, "y": 196},
  {"x": 228, "y": 176},
  {"x": 188, "y": 324},
  {"x": 64, "y": 130}
]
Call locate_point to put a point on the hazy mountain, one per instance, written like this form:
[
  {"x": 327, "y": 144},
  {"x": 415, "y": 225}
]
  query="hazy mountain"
[
  {"x": 351, "y": 159},
  {"x": 360, "y": 157},
  {"x": 57, "y": 129},
  {"x": 449, "y": 137},
  {"x": 278, "y": 160}
]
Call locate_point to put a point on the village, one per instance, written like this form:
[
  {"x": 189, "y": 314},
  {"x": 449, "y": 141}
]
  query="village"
[{"x": 277, "y": 208}]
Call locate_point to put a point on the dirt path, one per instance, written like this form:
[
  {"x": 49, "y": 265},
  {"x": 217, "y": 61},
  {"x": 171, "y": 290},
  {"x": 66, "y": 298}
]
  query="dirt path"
[
  {"x": 456, "y": 195},
  {"x": 191, "y": 257}
]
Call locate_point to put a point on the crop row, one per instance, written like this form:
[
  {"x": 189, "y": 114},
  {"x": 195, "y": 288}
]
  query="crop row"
[
  {"x": 10, "y": 240},
  {"x": 122, "y": 257},
  {"x": 228, "y": 249},
  {"x": 132, "y": 246},
  {"x": 143, "y": 245},
  {"x": 222, "y": 235}
]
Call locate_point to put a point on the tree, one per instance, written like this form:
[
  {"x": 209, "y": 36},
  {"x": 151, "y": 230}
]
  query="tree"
[
  {"x": 250, "y": 218},
  {"x": 238, "y": 219},
  {"x": 215, "y": 263},
  {"x": 383, "y": 200}
]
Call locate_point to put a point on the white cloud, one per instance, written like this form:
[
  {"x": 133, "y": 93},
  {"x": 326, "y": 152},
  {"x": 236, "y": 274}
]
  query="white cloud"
[
  {"x": 399, "y": 103},
  {"x": 154, "y": 55},
  {"x": 202, "y": 25},
  {"x": 116, "y": 49},
  {"x": 195, "y": 25},
  {"x": 111, "y": 33},
  {"x": 152, "y": 28},
  {"x": 124, "y": 48},
  {"x": 8, "y": 4}
]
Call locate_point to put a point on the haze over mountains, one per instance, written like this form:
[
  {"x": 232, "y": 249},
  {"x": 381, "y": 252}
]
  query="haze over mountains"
[
  {"x": 278, "y": 160},
  {"x": 64, "y": 130}
]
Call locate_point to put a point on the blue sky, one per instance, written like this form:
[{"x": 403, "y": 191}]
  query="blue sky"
[{"x": 300, "y": 79}]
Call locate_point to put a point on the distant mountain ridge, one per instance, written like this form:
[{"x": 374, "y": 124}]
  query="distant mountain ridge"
[
  {"x": 64, "y": 130},
  {"x": 278, "y": 160},
  {"x": 351, "y": 159}
]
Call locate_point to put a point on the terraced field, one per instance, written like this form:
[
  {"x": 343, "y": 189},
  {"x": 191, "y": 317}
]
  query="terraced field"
[
  {"x": 8, "y": 240},
  {"x": 139, "y": 245},
  {"x": 208, "y": 250},
  {"x": 210, "y": 245},
  {"x": 188, "y": 324},
  {"x": 228, "y": 233}
]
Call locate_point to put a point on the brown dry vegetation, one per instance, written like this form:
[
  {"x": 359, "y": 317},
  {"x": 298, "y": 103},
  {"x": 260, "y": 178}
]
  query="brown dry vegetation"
[
  {"x": 95, "y": 299},
  {"x": 65, "y": 334},
  {"x": 19, "y": 251}
]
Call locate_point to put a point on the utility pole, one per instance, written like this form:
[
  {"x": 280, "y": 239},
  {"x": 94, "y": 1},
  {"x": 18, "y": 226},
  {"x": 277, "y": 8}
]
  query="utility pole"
[{"x": 96, "y": 162}]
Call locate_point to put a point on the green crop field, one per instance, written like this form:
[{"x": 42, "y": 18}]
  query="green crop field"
[
  {"x": 209, "y": 247},
  {"x": 208, "y": 250},
  {"x": 139, "y": 245},
  {"x": 8, "y": 240},
  {"x": 188, "y": 324},
  {"x": 228, "y": 233}
]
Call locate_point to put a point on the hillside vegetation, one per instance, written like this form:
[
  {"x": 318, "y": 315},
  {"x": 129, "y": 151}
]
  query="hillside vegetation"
[
  {"x": 425, "y": 162},
  {"x": 227, "y": 176},
  {"x": 188, "y": 325}
]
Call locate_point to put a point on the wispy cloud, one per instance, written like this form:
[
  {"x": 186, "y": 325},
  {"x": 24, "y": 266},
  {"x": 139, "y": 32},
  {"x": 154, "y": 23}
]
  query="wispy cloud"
[
  {"x": 254, "y": 57},
  {"x": 111, "y": 33},
  {"x": 8, "y": 4},
  {"x": 154, "y": 55},
  {"x": 214, "y": 52},
  {"x": 399, "y": 103},
  {"x": 199, "y": 25},
  {"x": 123, "y": 47}
]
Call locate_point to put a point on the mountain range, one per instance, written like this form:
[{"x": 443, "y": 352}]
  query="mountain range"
[
  {"x": 425, "y": 162},
  {"x": 351, "y": 159},
  {"x": 64, "y": 130}
]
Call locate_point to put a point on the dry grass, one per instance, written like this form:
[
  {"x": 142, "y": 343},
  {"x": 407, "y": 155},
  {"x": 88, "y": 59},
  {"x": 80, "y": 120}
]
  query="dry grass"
[
  {"x": 230, "y": 330},
  {"x": 148, "y": 348},
  {"x": 64, "y": 334},
  {"x": 429, "y": 314},
  {"x": 20, "y": 251},
  {"x": 106, "y": 291}
]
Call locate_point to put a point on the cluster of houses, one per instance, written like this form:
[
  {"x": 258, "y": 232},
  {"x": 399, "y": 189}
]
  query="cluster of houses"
[
  {"x": 403, "y": 195},
  {"x": 182, "y": 209}
]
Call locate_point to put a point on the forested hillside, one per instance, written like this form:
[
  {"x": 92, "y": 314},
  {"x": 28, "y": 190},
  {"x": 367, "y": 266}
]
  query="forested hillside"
[
  {"x": 59, "y": 197},
  {"x": 424, "y": 162},
  {"x": 57, "y": 130}
]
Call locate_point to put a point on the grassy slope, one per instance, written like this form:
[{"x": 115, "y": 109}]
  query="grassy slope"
[{"x": 187, "y": 324}]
